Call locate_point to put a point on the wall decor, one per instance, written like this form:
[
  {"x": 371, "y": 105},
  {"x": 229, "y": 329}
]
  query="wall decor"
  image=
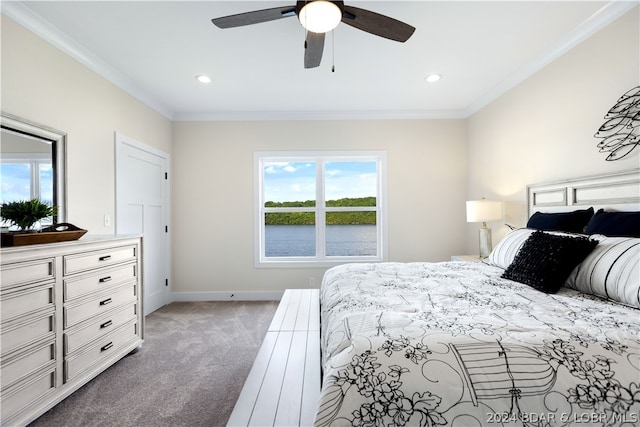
[{"x": 620, "y": 132}]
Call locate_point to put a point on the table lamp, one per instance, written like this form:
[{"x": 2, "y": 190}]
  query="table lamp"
[{"x": 483, "y": 211}]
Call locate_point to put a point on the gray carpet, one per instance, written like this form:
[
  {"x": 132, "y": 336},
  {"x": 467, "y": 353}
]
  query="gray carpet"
[{"x": 189, "y": 371}]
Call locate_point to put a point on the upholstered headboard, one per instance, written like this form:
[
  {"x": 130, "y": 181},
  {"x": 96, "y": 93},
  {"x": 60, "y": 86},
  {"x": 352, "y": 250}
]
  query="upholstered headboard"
[{"x": 617, "y": 191}]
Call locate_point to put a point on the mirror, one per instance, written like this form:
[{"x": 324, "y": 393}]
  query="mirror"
[{"x": 33, "y": 163}]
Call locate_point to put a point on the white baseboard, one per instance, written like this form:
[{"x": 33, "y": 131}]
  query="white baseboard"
[{"x": 226, "y": 296}]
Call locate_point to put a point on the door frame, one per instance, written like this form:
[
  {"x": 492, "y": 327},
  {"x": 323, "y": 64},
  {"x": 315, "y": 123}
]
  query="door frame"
[{"x": 120, "y": 140}]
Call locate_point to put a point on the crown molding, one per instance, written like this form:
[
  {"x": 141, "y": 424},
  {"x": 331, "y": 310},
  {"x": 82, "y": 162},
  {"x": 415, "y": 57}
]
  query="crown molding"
[
  {"x": 317, "y": 115},
  {"x": 24, "y": 16}
]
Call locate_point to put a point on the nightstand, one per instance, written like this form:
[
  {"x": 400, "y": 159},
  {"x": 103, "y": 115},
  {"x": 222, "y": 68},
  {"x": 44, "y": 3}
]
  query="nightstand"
[{"x": 466, "y": 258}]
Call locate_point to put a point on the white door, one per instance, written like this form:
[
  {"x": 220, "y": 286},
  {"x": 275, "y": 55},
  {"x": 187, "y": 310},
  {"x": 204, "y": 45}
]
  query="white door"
[{"x": 142, "y": 208}]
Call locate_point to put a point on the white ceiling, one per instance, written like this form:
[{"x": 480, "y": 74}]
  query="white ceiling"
[{"x": 154, "y": 49}]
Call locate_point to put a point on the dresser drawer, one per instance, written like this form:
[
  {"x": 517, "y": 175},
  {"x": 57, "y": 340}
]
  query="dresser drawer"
[
  {"x": 25, "y": 300},
  {"x": 106, "y": 347},
  {"x": 23, "y": 273},
  {"x": 20, "y": 396},
  {"x": 26, "y": 363},
  {"x": 17, "y": 334},
  {"x": 90, "y": 260},
  {"x": 103, "y": 325},
  {"x": 74, "y": 314},
  {"x": 77, "y": 287}
]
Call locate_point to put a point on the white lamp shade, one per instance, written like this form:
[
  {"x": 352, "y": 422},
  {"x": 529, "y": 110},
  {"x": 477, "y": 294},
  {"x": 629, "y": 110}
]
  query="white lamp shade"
[
  {"x": 484, "y": 210},
  {"x": 320, "y": 16}
]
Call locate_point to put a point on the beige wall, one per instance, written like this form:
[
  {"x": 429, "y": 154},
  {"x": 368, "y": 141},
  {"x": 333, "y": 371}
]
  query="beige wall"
[
  {"x": 212, "y": 185},
  {"x": 42, "y": 84},
  {"x": 543, "y": 129},
  {"x": 213, "y": 193}
]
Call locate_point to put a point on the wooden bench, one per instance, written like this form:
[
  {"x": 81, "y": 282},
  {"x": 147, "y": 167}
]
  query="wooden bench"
[{"x": 283, "y": 387}]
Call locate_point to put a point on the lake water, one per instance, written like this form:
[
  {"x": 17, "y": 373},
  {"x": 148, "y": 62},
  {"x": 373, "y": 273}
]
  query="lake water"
[{"x": 300, "y": 240}]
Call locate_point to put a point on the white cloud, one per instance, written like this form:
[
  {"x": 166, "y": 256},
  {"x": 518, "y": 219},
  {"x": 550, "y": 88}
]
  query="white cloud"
[
  {"x": 279, "y": 167},
  {"x": 275, "y": 167}
]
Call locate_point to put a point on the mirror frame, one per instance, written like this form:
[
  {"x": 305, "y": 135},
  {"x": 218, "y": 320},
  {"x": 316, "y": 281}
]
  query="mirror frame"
[{"x": 58, "y": 141}]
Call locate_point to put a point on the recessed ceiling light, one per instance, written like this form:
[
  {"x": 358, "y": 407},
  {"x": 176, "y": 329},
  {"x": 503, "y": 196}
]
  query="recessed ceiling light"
[
  {"x": 203, "y": 79},
  {"x": 432, "y": 78}
]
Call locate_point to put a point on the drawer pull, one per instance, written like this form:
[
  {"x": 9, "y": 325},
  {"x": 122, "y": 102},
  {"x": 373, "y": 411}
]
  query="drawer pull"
[
  {"x": 106, "y": 324},
  {"x": 106, "y": 346},
  {"x": 104, "y": 258},
  {"x": 105, "y": 279},
  {"x": 105, "y": 302}
]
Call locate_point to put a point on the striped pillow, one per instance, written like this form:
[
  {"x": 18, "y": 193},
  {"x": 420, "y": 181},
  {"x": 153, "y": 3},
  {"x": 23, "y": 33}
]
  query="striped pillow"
[
  {"x": 506, "y": 250},
  {"x": 611, "y": 270}
]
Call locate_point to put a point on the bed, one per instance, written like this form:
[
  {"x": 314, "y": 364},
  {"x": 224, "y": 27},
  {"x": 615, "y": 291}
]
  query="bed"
[{"x": 544, "y": 332}]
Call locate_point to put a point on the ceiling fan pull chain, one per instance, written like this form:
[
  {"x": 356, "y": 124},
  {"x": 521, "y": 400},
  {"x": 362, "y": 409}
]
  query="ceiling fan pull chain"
[{"x": 333, "y": 51}]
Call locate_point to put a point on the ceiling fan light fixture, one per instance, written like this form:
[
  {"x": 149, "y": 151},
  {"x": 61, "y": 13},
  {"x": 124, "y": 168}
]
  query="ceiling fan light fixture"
[{"x": 320, "y": 16}]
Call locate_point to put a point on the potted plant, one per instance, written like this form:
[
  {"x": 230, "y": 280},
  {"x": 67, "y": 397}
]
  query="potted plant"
[{"x": 25, "y": 213}]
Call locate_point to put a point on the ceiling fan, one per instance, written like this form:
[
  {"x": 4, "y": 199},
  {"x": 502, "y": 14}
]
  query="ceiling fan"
[{"x": 319, "y": 17}]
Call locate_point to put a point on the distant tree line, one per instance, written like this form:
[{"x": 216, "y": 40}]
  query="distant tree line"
[{"x": 333, "y": 218}]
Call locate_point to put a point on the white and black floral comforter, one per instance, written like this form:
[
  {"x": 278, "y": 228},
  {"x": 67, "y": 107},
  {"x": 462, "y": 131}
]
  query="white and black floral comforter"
[{"x": 427, "y": 344}]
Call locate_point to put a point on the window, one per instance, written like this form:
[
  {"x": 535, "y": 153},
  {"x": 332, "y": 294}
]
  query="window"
[
  {"x": 26, "y": 176},
  {"x": 319, "y": 208}
]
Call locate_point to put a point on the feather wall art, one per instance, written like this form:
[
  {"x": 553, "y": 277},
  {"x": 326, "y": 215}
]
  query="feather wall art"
[{"x": 620, "y": 132}]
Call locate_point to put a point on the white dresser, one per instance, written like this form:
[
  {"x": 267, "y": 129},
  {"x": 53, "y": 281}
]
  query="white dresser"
[{"x": 68, "y": 311}]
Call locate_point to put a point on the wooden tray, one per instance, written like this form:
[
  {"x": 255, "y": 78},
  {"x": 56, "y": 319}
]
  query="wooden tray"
[{"x": 62, "y": 232}]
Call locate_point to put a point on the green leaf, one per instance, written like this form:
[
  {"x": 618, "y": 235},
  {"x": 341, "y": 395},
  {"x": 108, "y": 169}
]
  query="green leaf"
[{"x": 25, "y": 213}]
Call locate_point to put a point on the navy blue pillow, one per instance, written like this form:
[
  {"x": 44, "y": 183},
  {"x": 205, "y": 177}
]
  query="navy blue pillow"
[
  {"x": 615, "y": 224},
  {"x": 570, "y": 222}
]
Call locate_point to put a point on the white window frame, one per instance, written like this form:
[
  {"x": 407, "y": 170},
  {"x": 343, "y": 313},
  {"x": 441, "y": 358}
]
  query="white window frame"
[{"x": 320, "y": 157}]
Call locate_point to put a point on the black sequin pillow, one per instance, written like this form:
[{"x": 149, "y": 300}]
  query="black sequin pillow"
[{"x": 546, "y": 260}]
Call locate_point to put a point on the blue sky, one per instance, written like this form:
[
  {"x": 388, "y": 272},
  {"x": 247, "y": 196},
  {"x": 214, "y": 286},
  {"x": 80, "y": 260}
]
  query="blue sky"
[
  {"x": 15, "y": 182},
  {"x": 295, "y": 181}
]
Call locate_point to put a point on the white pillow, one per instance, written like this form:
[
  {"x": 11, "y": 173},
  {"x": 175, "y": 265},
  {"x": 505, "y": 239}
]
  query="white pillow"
[
  {"x": 611, "y": 270},
  {"x": 505, "y": 251}
]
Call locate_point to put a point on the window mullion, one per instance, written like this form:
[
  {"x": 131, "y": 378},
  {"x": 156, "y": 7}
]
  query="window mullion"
[
  {"x": 352, "y": 209},
  {"x": 380, "y": 210},
  {"x": 279, "y": 209},
  {"x": 263, "y": 244},
  {"x": 262, "y": 210},
  {"x": 35, "y": 179},
  {"x": 320, "y": 212}
]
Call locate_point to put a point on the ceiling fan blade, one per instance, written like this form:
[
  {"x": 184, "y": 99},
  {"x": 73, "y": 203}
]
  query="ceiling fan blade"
[
  {"x": 254, "y": 17},
  {"x": 379, "y": 25},
  {"x": 313, "y": 47}
]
